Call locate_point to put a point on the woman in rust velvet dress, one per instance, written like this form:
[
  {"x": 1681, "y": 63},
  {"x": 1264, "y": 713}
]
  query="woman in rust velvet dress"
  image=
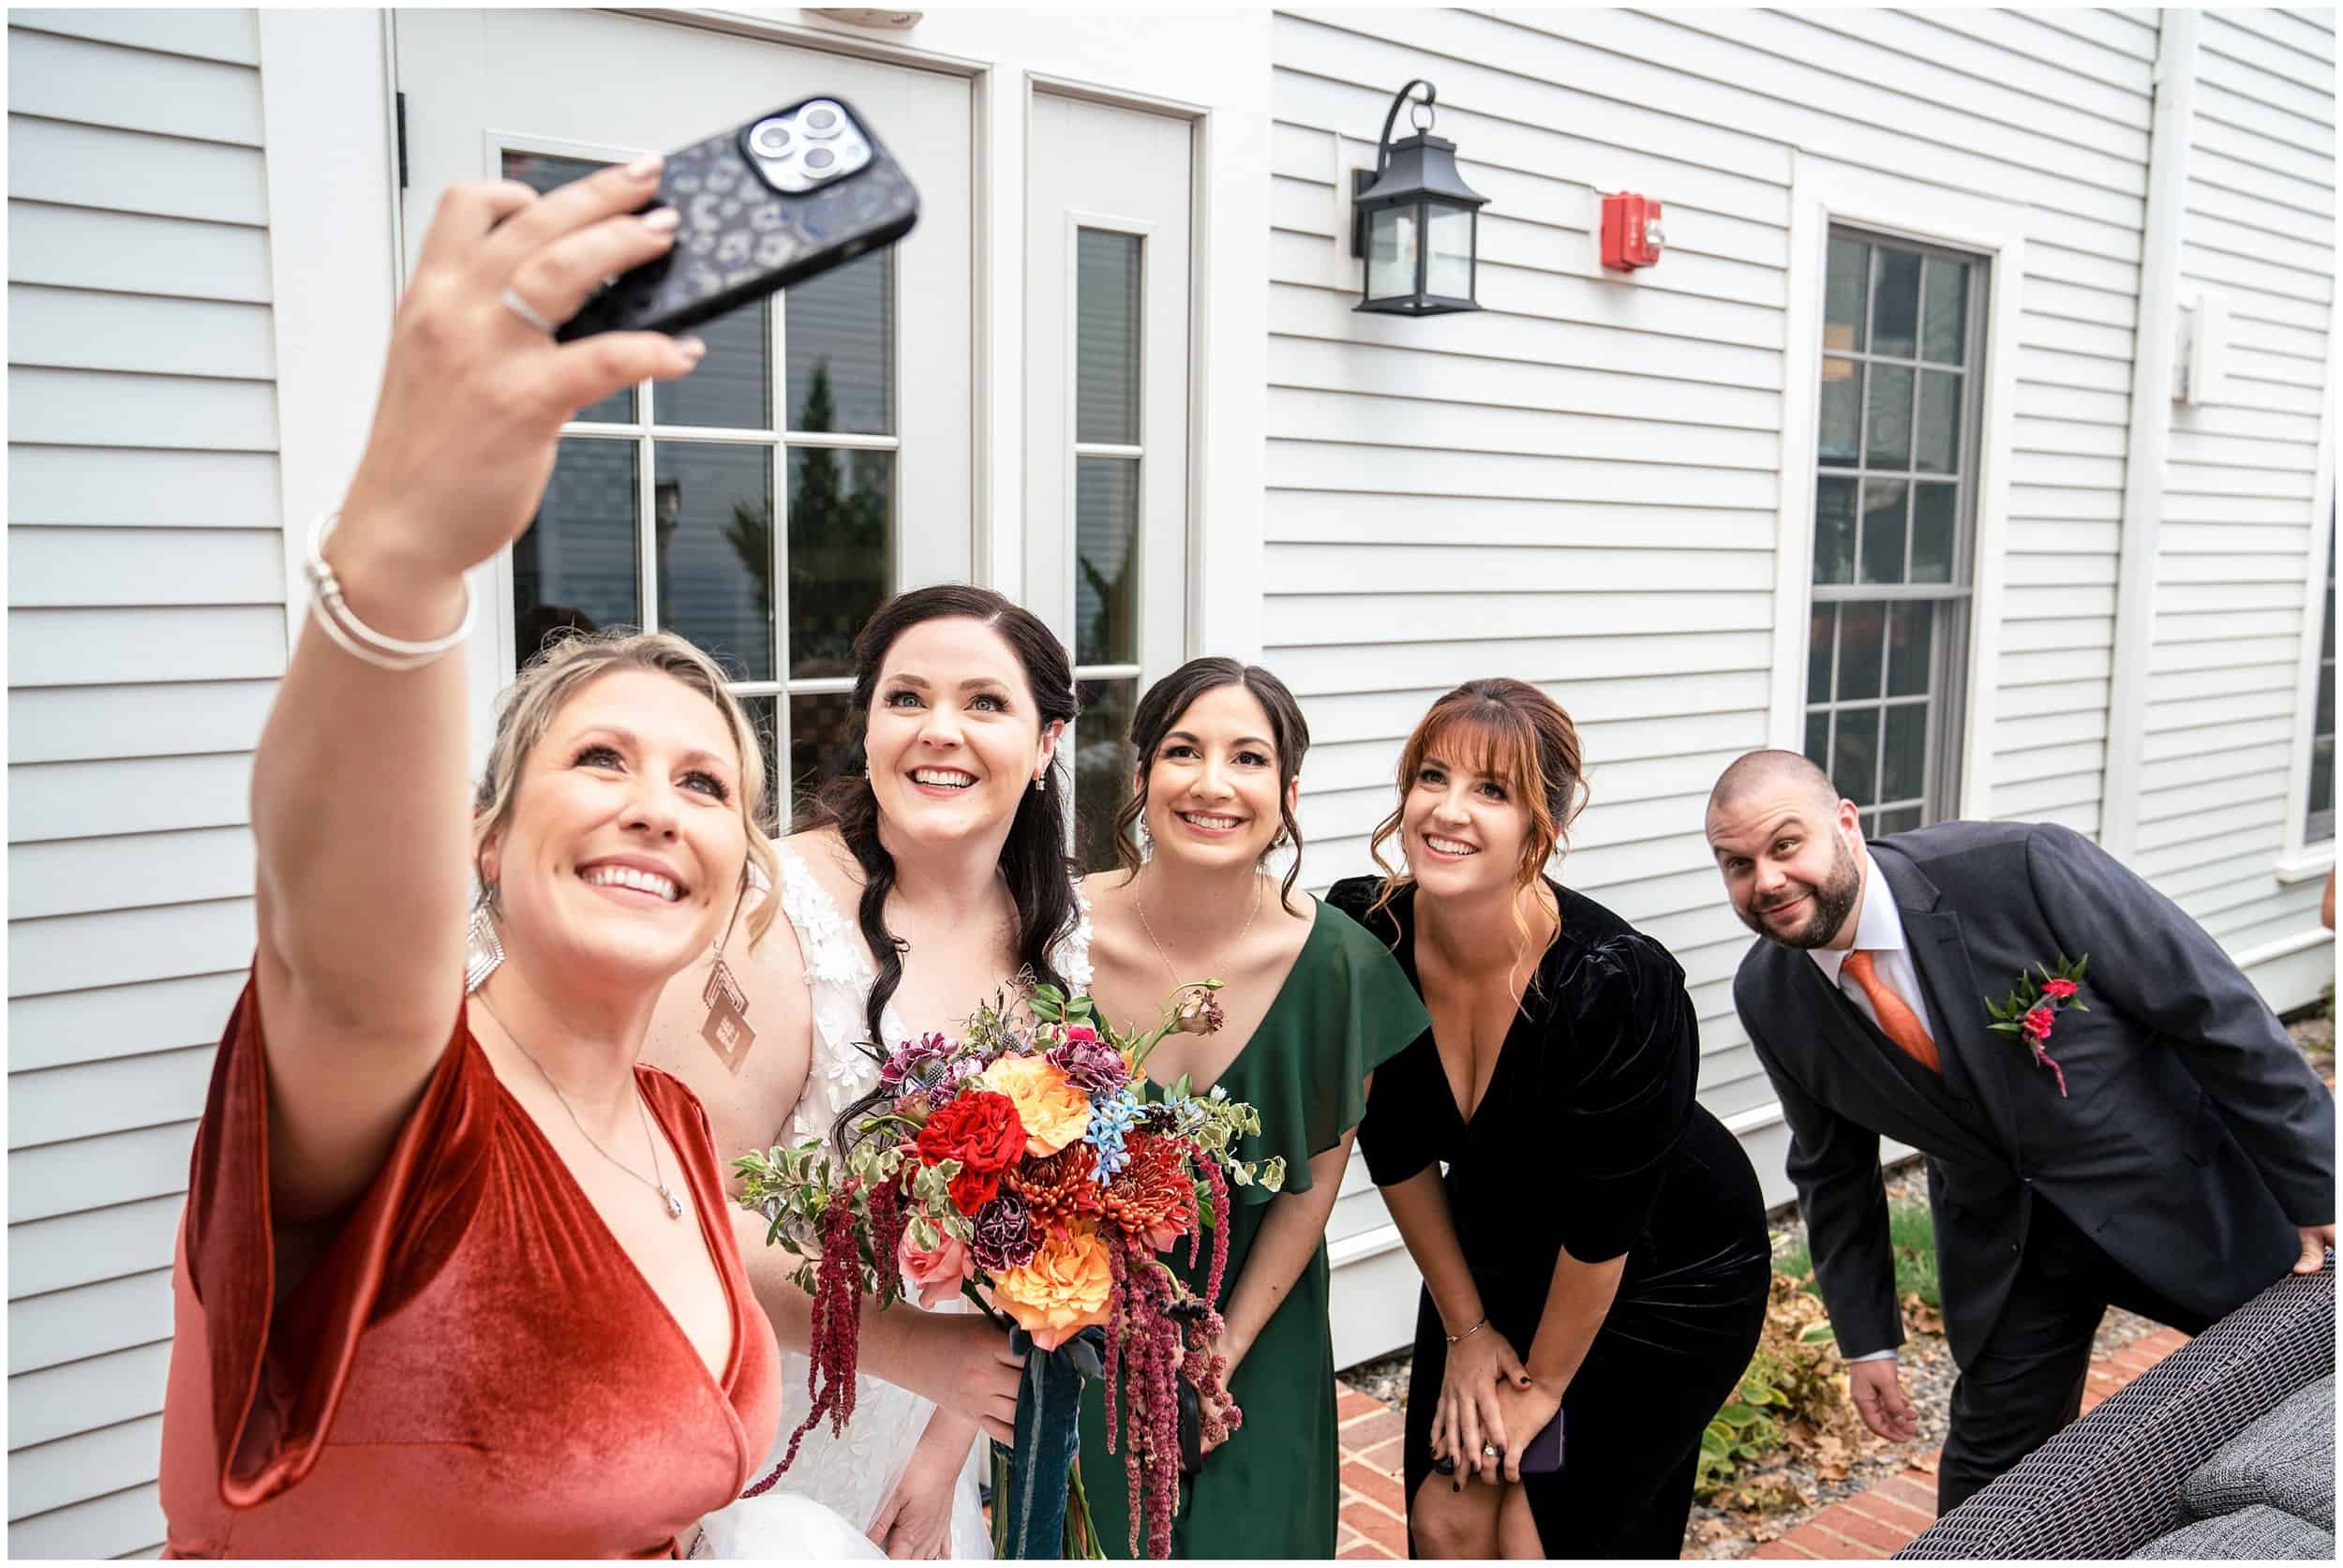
[{"x": 457, "y": 1275}]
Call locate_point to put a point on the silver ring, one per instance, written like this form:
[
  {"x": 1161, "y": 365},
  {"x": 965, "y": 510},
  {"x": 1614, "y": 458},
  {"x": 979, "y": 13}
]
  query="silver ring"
[
  {"x": 1488, "y": 1451},
  {"x": 527, "y": 312}
]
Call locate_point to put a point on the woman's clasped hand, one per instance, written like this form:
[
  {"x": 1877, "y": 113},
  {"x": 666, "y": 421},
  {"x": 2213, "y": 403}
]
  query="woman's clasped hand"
[{"x": 1484, "y": 1396}]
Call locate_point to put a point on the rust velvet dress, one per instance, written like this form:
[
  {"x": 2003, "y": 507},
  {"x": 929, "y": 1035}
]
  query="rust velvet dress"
[{"x": 471, "y": 1365}]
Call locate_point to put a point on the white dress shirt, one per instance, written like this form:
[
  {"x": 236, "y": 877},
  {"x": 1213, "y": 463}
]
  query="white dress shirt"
[{"x": 1878, "y": 930}]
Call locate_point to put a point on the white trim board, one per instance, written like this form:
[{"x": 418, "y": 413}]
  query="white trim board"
[
  {"x": 325, "y": 110},
  {"x": 2149, "y": 437},
  {"x": 2300, "y": 860},
  {"x": 1823, "y": 193}
]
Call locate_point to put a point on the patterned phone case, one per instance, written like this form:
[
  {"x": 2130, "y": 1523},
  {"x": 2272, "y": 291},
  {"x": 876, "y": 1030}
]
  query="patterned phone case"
[{"x": 740, "y": 239}]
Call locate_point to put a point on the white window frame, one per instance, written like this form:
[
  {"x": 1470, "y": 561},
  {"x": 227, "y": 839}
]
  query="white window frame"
[
  {"x": 1151, "y": 614},
  {"x": 1823, "y": 193},
  {"x": 327, "y": 81},
  {"x": 2301, "y": 859},
  {"x": 499, "y": 623}
]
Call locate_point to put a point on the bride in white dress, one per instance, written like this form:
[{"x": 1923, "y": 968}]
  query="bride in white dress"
[{"x": 962, "y": 816}]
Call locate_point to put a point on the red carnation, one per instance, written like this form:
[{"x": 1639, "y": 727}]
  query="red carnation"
[
  {"x": 2060, "y": 989},
  {"x": 980, "y": 1129},
  {"x": 2036, "y": 1023}
]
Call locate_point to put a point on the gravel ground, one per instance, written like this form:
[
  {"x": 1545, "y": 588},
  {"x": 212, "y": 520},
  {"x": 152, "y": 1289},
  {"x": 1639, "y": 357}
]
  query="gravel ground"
[
  {"x": 1928, "y": 1377},
  {"x": 1928, "y": 1373}
]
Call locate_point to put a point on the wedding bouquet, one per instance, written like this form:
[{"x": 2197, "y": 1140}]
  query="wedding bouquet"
[{"x": 1033, "y": 1167}]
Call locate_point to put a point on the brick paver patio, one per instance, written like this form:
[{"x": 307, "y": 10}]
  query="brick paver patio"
[{"x": 1874, "y": 1524}]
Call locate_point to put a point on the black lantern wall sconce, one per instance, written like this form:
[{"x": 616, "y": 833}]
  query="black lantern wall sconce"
[{"x": 1415, "y": 225}]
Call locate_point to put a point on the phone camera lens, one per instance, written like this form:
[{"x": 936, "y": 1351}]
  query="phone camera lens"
[
  {"x": 820, "y": 157},
  {"x": 823, "y": 120},
  {"x": 770, "y": 140}
]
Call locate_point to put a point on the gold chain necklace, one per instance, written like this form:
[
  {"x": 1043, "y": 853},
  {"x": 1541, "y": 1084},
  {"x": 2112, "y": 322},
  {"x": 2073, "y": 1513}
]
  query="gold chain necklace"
[
  {"x": 1168, "y": 967},
  {"x": 657, "y": 1181}
]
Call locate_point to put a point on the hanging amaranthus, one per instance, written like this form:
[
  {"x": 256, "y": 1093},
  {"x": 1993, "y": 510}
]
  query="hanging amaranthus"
[{"x": 1034, "y": 1167}]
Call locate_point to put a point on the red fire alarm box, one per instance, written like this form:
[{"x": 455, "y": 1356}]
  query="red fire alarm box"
[{"x": 1631, "y": 231}]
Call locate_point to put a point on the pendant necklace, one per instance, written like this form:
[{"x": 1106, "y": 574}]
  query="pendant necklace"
[
  {"x": 1150, "y": 928},
  {"x": 657, "y": 1181}
]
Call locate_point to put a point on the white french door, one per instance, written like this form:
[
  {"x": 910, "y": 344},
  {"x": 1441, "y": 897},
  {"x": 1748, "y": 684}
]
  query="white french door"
[
  {"x": 819, "y": 461},
  {"x": 1107, "y": 439}
]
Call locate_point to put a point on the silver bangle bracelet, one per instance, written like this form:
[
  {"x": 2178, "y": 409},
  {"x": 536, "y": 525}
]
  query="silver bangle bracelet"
[
  {"x": 354, "y": 636},
  {"x": 1454, "y": 1339}
]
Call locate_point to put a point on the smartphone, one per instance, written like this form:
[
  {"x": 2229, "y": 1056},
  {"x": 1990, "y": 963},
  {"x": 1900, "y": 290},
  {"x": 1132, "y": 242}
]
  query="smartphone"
[
  {"x": 1543, "y": 1455},
  {"x": 773, "y": 201}
]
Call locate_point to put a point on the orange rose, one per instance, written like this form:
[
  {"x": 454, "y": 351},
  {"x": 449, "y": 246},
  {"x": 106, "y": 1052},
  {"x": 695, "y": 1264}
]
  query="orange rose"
[
  {"x": 1056, "y": 1113},
  {"x": 1066, "y": 1289}
]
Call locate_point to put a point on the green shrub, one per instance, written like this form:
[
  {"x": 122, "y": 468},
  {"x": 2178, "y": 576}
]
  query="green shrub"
[
  {"x": 1792, "y": 1394},
  {"x": 1911, "y": 1232}
]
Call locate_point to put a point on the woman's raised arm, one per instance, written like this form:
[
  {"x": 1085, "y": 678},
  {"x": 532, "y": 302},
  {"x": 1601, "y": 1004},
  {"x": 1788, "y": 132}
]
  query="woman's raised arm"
[{"x": 359, "y": 790}]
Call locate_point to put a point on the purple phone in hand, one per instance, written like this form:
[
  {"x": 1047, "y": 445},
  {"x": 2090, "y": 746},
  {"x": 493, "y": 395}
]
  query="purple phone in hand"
[{"x": 1543, "y": 1455}]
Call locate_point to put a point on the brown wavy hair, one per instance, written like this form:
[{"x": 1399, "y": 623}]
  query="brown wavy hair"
[
  {"x": 1509, "y": 731},
  {"x": 1162, "y": 707}
]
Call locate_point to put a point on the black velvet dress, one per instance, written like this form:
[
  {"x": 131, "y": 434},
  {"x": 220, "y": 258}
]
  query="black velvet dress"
[{"x": 1588, "y": 1139}]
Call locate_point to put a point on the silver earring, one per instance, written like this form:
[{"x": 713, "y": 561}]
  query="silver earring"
[
  {"x": 1037, "y": 786},
  {"x": 483, "y": 950}
]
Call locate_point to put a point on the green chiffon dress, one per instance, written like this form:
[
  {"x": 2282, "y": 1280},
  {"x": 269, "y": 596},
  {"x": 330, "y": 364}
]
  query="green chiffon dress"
[{"x": 1271, "y": 1490}]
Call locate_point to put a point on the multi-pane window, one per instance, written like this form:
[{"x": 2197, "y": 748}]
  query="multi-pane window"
[
  {"x": 1108, "y": 460},
  {"x": 1894, "y": 499},
  {"x": 688, "y": 506},
  {"x": 2320, "y": 824}
]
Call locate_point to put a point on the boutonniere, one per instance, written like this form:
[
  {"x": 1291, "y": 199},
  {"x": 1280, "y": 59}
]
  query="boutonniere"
[{"x": 2032, "y": 1009}]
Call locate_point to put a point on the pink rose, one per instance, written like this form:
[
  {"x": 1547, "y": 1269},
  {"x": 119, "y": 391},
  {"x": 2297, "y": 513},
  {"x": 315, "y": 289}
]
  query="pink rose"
[
  {"x": 1082, "y": 1032},
  {"x": 937, "y": 1274}
]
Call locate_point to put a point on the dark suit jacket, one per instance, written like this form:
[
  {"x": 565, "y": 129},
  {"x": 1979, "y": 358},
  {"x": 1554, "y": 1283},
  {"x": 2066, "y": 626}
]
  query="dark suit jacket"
[{"x": 2193, "y": 1142}]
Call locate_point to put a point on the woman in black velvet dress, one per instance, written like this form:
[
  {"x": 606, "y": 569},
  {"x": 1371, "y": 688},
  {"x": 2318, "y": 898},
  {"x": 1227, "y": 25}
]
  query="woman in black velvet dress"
[{"x": 1598, "y": 1246}]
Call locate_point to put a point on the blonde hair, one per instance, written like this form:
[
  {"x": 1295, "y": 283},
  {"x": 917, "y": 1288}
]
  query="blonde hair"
[{"x": 565, "y": 668}]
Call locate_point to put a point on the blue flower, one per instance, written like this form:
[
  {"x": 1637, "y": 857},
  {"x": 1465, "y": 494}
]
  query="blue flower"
[{"x": 1111, "y": 1119}]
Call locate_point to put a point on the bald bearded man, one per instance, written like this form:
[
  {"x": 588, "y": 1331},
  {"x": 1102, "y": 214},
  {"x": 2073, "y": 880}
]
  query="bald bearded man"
[{"x": 2177, "y": 1157}]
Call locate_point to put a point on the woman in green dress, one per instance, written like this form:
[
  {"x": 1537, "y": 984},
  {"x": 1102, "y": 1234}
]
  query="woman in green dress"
[{"x": 1312, "y": 1005}]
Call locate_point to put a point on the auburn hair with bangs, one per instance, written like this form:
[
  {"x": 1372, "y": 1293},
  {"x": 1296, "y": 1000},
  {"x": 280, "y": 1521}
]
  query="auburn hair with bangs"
[{"x": 1509, "y": 731}]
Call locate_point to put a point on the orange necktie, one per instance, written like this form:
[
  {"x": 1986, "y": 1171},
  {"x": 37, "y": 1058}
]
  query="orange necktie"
[{"x": 1896, "y": 1020}]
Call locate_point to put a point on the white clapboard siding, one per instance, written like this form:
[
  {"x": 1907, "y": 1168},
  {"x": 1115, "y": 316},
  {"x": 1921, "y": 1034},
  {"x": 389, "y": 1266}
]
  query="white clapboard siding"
[
  {"x": 1579, "y": 486},
  {"x": 2236, "y": 542},
  {"x": 147, "y": 631}
]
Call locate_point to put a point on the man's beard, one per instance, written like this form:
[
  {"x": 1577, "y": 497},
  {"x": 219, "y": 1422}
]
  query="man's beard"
[{"x": 1833, "y": 902}]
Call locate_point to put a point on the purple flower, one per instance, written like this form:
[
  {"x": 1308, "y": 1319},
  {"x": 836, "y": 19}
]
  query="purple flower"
[
  {"x": 1003, "y": 1234},
  {"x": 919, "y": 1064},
  {"x": 1091, "y": 1065}
]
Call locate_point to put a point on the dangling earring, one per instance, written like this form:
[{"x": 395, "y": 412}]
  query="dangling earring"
[
  {"x": 1037, "y": 778},
  {"x": 1147, "y": 839},
  {"x": 726, "y": 1031},
  {"x": 483, "y": 951}
]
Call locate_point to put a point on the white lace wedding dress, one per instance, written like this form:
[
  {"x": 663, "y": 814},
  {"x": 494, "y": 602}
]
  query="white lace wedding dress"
[{"x": 833, "y": 1492}]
